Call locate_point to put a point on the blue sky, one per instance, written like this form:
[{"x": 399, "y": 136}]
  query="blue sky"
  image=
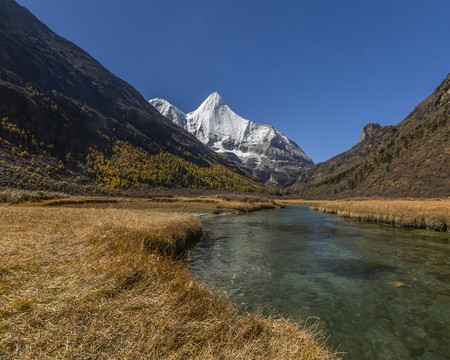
[{"x": 317, "y": 70}]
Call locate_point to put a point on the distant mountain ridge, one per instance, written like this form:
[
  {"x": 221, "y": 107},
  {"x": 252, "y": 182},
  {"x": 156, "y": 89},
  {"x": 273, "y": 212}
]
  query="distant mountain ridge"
[
  {"x": 260, "y": 149},
  {"x": 410, "y": 159},
  {"x": 66, "y": 122}
]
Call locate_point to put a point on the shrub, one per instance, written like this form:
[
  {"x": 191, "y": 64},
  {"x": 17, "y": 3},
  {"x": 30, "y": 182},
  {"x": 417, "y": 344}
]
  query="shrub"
[{"x": 21, "y": 196}]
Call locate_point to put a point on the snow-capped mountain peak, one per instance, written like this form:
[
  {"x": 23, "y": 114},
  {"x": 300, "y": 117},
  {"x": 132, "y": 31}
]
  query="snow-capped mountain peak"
[
  {"x": 213, "y": 101},
  {"x": 171, "y": 112},
  {"x": 260, "y": 149}
]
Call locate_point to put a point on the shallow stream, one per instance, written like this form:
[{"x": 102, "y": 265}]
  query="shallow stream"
[{"x": 379, "y": 292}]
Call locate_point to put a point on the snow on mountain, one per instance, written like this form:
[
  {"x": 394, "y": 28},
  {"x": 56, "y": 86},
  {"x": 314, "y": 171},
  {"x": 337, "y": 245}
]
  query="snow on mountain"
[
  {"x": 260, "y": 149},
  {"x": 170, "y": 112}
]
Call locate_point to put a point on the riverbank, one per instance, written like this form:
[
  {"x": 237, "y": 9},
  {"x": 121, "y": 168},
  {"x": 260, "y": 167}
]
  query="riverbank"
[
  {"x": 99, "y": 280},
  {"x": 421, "y": 214}
]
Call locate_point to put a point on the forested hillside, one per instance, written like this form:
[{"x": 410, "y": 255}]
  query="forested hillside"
[
  {"x": 410, "y": 159},
  {"x": 67, "y": 123}
]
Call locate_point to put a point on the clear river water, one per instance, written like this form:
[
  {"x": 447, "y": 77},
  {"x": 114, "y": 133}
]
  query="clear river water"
[{"x": 379, "y": 292}]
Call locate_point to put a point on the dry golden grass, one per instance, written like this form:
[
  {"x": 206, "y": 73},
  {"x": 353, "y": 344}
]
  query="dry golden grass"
[
  {"x": 425, "y": 214},
  {"x": 98, "y": 283},
  {"x": 201, "y": 204},
  {"x": 215, "y": 204},
  {"x": 76, "y": 201},
  {"x": 166, "y": 204}
]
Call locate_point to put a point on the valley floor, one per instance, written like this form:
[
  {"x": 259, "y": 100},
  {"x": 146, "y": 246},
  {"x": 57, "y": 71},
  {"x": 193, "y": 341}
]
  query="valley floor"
[{"x": 100, "y": 279}]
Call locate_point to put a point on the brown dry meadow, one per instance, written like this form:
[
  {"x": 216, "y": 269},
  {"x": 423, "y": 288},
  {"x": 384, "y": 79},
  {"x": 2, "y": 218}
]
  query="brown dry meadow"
[
  {"x": 422, "y": 214},
  {"x": 101, "y": 282}
]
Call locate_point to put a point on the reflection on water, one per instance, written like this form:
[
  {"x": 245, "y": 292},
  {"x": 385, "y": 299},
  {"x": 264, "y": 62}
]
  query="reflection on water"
[{"x": 380, "y": 292}]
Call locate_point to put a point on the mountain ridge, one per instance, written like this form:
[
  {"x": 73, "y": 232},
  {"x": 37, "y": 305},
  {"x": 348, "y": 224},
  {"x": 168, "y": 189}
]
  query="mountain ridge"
[
  {"x": 259, "y": 148},
  {"x": 60, "y": 105},
  {"x": 409, "y": 159}
]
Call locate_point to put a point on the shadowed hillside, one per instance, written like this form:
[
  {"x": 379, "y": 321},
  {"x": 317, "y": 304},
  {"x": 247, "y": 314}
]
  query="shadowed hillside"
[
  {"x": 410, "y": 159},
  {"x": 66, "y": 121}
]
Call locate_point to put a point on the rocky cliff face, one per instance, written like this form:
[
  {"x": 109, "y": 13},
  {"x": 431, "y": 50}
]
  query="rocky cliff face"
[
  {"x": 368, "y": 131},
  {"x": 260, "y": 149},
  {"x": 409, "y": 159}
]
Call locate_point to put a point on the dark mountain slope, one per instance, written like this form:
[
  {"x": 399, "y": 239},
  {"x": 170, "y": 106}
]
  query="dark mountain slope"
[
  {"x": 58, "y": 104},
  {"x": 410, "y": 159}
]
